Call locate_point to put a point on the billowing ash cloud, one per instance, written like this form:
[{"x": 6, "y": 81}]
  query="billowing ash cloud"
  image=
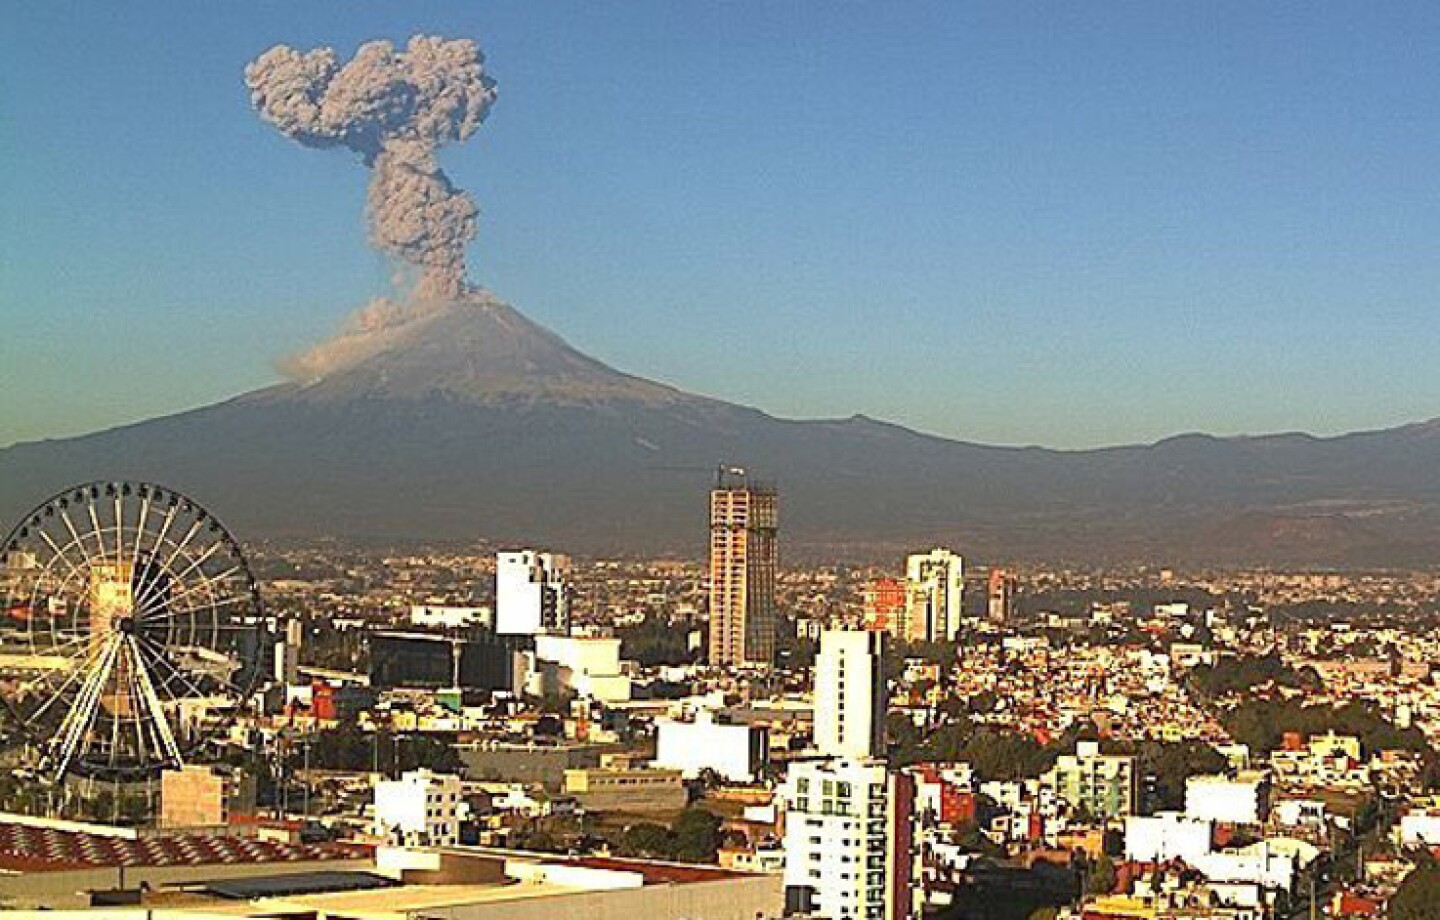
[{"x": 395, "y": 109}]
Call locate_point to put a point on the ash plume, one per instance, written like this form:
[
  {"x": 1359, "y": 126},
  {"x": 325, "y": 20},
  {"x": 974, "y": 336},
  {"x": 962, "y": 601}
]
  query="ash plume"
[{"x": 395, "y": 109}]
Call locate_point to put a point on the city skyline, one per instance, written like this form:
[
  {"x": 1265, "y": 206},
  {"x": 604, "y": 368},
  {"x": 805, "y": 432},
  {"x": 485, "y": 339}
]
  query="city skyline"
[{"x": 1110, "y": 229}]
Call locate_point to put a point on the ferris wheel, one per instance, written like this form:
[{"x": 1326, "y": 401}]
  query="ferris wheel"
[{"x": 130, "y": 620}]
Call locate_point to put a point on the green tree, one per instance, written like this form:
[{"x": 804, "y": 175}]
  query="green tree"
[
  {"x": 696, "y": 835},
  {"x": 647, "y": 839},
  {"x": 1100, "y": 879},
  {"x": 1418, "y": 897}
]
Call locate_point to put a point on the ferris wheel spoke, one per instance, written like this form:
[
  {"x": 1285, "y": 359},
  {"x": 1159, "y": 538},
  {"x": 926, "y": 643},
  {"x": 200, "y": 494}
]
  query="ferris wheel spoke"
[
  {"x": 74, "y": 532},
  {"x": 189, "y": 590},
  {"x": 62, "y": 555},
  {"x": 95, "y": 529},
  {"x": 157, "y": 654},
  {"x": 148, "y": 593},
  {"x": 58, "y": 694},
  {"x": 119, "y": 530},
  {"x": 172, "y": 612},
  {"x": 141, "y": 518},
  {"x": 160, "y": 721},
  {"x": 79, "y": 719}
]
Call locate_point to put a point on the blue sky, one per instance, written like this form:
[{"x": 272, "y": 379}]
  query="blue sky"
[{"x": 1064, "y": 224}]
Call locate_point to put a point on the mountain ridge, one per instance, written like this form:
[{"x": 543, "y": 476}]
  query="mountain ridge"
[{"x": 468, "y": 420}]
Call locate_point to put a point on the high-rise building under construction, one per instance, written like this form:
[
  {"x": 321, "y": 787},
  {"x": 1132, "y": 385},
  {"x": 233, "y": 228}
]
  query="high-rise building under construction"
[{"x": 743, "y": 558}]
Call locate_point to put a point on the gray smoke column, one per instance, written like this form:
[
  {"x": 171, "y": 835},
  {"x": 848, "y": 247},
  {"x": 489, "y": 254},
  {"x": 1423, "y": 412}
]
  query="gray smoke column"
[{"x": 395, "y": 109}]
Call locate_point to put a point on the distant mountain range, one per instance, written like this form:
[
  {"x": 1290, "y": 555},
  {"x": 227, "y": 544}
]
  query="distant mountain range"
[{"x": 471, "y": 421}]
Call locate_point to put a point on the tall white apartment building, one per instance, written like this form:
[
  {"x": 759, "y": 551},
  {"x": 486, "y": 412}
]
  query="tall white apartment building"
[
  {"x": 419, "y": 809},
  {"x": 532, "y": 593},
  {"x": 848, "y": 841},
  {"x": 850, "y": 694},
  {"x": 935, "y": 588}
]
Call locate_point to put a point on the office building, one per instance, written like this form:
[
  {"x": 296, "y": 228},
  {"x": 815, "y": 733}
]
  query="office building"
[
  {"x": 848, "y": 841},
  {"x": 1000, "y": 596},
  {"x": 850, "y": 694},
  {"x": 935, "y": 586},
  {"x": 743, "y": 559},
  {"x": 532, "y": 593},
  {"x": 420, "y": 809},
  {"x": 411, "y": 659}
]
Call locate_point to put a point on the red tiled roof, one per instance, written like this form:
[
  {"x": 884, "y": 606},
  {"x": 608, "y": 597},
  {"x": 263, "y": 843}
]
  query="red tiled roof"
[{"x": 42, "y": 849}]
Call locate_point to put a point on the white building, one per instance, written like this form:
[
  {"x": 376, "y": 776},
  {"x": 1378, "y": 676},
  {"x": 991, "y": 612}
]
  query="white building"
[
  {"x": 419, "y": 809},
  {"x": 287, "y": 654},
  {"x": 1419, "y": 829},
  {"x": 850, "y": 697},
  {"x": 736, "y": 752},
  {"x": 935, "y": 589},
  {"x": 532, "y": 593},
  {"x": 1166, "y": 836},
  {"x": 1243, "y": 799},
  {"x": 848, "y": 841},
  {"x": 588, "y": 665}
]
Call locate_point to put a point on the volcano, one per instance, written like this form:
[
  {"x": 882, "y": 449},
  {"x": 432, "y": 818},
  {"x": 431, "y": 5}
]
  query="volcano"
[{"x": 468, "y": 421}]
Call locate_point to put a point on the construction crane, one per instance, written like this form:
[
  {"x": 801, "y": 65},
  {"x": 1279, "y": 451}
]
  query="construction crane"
[{"x": 721, "y": 470}]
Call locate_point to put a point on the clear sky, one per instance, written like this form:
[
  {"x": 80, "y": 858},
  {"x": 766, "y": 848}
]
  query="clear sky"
[{"x": 1065, "y": 224}]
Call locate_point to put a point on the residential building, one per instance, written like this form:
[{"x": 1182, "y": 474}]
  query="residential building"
[
  {"x": 532, "y": 593},
  {"x": 743, "y": 558},
  {"x": 1103, "y": 785},
  {"x": 935, "y": 587},
  {"x": 1000, "y": 596},
  {"x": 848, "y": 841},
  {"x": 203, "y": 796},
  {"x": 850, "y": 697},
  {"x": 885, "y": 605},
  {"x": 419, "y": 809}
]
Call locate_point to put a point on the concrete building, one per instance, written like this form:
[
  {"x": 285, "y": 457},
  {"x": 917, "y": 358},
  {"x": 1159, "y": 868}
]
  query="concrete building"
[
  {"x": 419, "y": 809},
  {"x": 885, "y": 605},
  {"x": 202, "y": 796},
  {"x": 450, "y": 616},
  {"x": 532, "y": 593},
  {"x": 848, "y": 841},
  {"x": 1104, "y": 785},
  {"x": 744, "y": 523},
  {"x": 935, "y": 588},
  {"x": 1242, "y": 799},
  {"x": 1000, "y": 593},
  {"x": 627, "y": 789},
  {"x": 738, "y": 753},
  {"x": 1166, "y": 836},
  {"x": 527, "y": 763},
  {"x": 587, "y": 665},
  {"x": 287, "y": 654},
  {"x": 850, "y": 694}
]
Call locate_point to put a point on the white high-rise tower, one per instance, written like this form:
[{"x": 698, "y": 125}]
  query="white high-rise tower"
[
  {"x": 532, "y": 593},
  {"x": 850, "y": 696},
  {"x": 935, "y": 587}
]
